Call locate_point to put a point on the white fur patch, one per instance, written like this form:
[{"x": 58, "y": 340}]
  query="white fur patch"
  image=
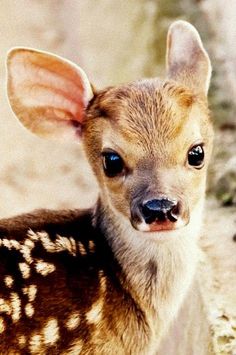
[
  {"x": 44, "y": 268},
  {"x": 30, "y": 291},
  {"x": 29, "y": 310},
  {"x": 51, "y": 332},
  {"x": 26, "y": 252},
  {"x": 60, "y": 244},
  {"x": 64, "y": 243},
  {"x": 8, "y": 280},
  {"x": 6, "y": 243},
  {"x": 73, "y": 321},
  {"x": 2, "y": 325},
  {"x": 5, "y": 306},
  {"x": 95, "y": 314},
  {"x": 35, "y": 344},
  {"x": 25, "y": 270},
  {"x": 16, "y": 306}
]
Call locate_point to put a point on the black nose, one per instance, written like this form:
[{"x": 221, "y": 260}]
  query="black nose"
[{"x": 160, "y": 210}]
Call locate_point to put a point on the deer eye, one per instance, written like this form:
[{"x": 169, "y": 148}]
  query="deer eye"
[
  {"x": 113, "y": 164},
  {"x": 196, "y": 156}
]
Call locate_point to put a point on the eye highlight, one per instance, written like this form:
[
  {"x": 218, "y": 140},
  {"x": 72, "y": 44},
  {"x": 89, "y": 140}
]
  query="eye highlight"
[
  {"x": 113, "y": 164},
  {"x": 196, "y": 156}
]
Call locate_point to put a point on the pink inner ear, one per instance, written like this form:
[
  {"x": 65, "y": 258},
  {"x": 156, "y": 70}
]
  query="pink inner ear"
[{"x": 44, "y": 81}]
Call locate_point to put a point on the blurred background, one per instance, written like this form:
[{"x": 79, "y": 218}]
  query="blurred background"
[{"x": 114, "y": 41}]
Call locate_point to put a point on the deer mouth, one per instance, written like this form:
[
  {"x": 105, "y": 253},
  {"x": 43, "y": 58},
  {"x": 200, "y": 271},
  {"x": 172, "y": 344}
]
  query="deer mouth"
[
  {"x": 161, "y": 215},
  {"x": 160, "y": 226}
]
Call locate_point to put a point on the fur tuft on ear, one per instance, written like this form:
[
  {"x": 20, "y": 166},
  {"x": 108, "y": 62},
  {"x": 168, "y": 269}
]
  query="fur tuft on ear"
[
  {"x": 186, "y": 59},
  {"x": 48, "y": 94}
]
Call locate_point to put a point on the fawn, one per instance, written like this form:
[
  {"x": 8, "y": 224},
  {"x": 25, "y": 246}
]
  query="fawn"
[{"x": 109, "y": 280}]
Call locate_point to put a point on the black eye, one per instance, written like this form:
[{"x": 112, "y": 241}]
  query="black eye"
[
  {"x": 112, "y": 164},
  {"x": 196, "y": 156}
]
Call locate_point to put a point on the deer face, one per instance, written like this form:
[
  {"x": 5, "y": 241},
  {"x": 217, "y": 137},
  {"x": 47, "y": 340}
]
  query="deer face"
[
  {"x": 148, "y": 142},
  {"x": 149, "y": 145}
]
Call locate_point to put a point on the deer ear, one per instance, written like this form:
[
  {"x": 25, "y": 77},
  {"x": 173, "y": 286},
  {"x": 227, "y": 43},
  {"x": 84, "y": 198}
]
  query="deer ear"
[
  {"x": 187, "y": 60},
  {"x": 48, "y": 94}
]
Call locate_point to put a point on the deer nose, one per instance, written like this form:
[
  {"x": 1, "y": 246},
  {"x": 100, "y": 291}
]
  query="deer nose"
[{"x": 160, "y": 210}]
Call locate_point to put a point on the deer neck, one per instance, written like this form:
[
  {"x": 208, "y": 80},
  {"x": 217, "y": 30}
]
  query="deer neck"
[{"x": 157, "y": 270}]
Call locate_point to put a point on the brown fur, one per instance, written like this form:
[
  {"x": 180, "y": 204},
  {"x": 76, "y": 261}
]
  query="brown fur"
[
  {"x": 81, "y": 277},
  {"x": 77, "y": 281},
  {"x": 165, "y": 112},
  {"x": 102, "y": 281}
]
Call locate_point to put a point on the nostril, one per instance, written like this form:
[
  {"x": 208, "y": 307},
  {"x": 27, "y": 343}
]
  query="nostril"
[
  {"x": 160, "y": 210},
  {"x": 173, "y": 214},
  {"x": 148, "y": 214}
]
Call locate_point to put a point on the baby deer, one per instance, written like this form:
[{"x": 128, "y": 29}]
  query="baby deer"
[{"x": 109, "y": 280}]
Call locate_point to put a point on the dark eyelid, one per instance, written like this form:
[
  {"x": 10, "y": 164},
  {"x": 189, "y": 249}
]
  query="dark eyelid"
[{"x": 109, "y": 150}]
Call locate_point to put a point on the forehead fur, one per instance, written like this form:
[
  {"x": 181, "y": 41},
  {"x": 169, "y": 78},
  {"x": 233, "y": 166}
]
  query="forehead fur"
[
  {"x": 149, "y": 113},
  {"x": 141, "y": 107}
]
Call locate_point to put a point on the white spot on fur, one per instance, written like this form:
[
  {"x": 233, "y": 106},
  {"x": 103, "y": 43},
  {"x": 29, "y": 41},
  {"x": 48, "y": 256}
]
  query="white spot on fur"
[
  {"x": 35, "y": 344},
  {"x": 10, "y": 244},
  {"x": 8, "y": 281},
  {"x": 30, "y": 244},
  {"x": 73, "y": 321},
  {"x": 44, "y": 268},
  {"x": 30, "y": 291},
  {"x": 60, "y": 244},
  {"x": 5, "y": 306},
  {"x": 2, "y": 325},
  {"x": 15, "y": 244},
  {"x": 16, "y": 306},
  {"x": 46, "y": 242},
  {"x": 29, "y": 310},
  {"x": 32, "y": 235},
  {"x": 25, "y": 270},
  {"x": 81, "y": 249},
  {"x": 22, "y": 341},
  {"x": 63, "y": 243},
  {"x": 95, "y": 314},
  {"x": 51, "y": 332},
  {"x": 26, "y": 252},
  {"x": 6, "y": 243}
]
